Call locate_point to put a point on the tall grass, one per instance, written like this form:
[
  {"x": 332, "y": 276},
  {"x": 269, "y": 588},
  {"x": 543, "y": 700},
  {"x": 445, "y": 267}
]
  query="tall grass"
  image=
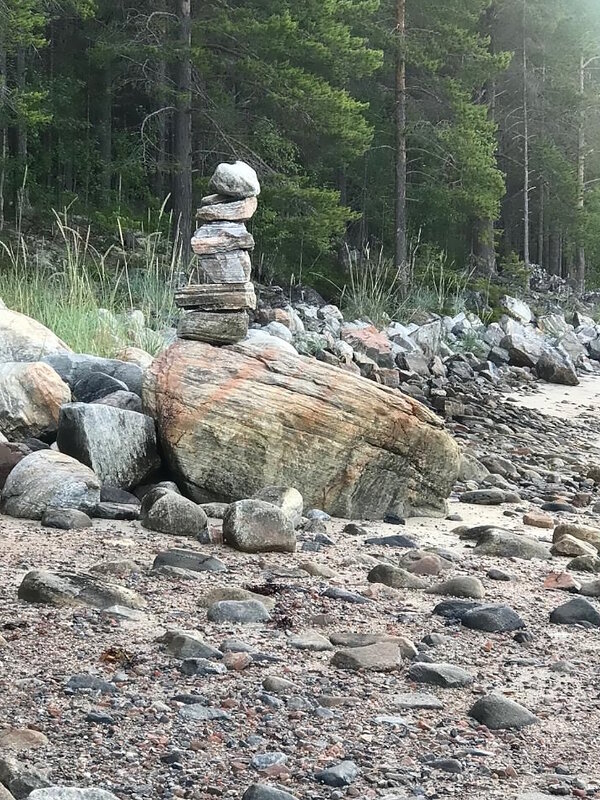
[
  {"x": 84, "y": 294},
  {"x": 373, "y": 290}
]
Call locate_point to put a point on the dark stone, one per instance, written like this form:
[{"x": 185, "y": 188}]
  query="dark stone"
[
  {"x": 552, "y": 506},
  {"x": 353, "y": 529},
  {"x": 78, "y": 683},
  {"x": 112, "y": 494},
  {"x": 336, "y": 593},
  {"x": 451, "y": 765},
  {"x": 125, "y": 511},
  {"x": 396, "y": 540},
  {"x": 342, "y": 774},
  {"x": 394, "y": 519},
  {"x": 96, "y": 385},
  {"x": 498, "y": 575},
  {"x": 445, "y": 675},
  {"x": 262, "y": 791},
  {"x": 493, "y": 619},
  {"x": 74, "y": 367},
  {"x": 65, "y": 519},
  {"x": 556, "y": 367},
  {"x": 201, "y": 667},
  {"x": 485, "y": 497},
  {"x": 500, "y": 713},
  {"x": 577, "y": 611},
  {"x": 99, "y": 718},
  {"x": 128, "y": 401},
  {"x": 455, "y": 609},
  {"x": 190, "y": 560}
]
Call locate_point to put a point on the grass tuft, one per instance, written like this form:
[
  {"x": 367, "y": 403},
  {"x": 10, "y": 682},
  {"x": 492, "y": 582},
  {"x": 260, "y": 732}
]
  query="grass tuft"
[{"x": 86, "y": 296}]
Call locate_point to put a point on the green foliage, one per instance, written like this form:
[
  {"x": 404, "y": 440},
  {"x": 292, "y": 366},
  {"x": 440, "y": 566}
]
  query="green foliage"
[
  {"x": 372, "y": 291},
  {"x": 84, "y": 295},
  {"x": 297, "y": 227},
  {"x": 304, "y": 91},
  {"x": 514, "y": 273}
]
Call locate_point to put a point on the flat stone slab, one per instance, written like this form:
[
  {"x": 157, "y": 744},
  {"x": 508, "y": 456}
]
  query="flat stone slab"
[
  {"x": 445, "y": 675},
  {"x": 75, "y": 588},
  {"x": 381, "y": 657},
  {"x": 240, "y": 611},
  {"x": 417, "y": 700}
]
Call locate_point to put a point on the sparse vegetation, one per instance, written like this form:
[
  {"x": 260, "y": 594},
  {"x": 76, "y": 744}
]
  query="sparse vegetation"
[{"x": 85, "y": 295}]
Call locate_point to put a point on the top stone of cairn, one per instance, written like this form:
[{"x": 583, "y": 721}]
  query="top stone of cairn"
[{"x": 237, "y": 180}]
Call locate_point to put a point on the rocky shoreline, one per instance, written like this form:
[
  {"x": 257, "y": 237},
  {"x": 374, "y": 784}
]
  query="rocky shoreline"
[
  {"x": 241, "y": 569},
  {"x": 279, "y": 704}
]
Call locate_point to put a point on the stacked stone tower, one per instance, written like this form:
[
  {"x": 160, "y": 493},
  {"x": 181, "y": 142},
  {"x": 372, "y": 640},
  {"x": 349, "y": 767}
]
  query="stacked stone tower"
[{"x": 216, "y": 307}]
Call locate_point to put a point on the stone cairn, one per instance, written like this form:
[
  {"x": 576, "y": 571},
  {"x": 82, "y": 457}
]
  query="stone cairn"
[{"x": 216, "y": 307}]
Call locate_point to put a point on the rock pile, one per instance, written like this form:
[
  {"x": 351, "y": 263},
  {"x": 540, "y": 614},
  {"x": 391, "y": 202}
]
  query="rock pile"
[{"x": 216, "y": 308}]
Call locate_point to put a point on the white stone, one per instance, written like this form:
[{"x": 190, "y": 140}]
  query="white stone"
[
  {"x": 279, "y": 329},
  {"x": 517, "y": 309},
  {"x": 235, "y": 180}
]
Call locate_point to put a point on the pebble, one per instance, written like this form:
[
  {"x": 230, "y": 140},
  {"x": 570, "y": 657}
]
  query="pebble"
[
  {"x": 417, "y": 700},
  {"x": 262, "y": 791},
  {"x": 498, "y": 575},
  {"x": 310, "y": 640},
  {"x": 497, "y": 712},
  {"x": 462, "y": 586},
  {"x": 342, "y": 774},
  {"x": 380, "y": 657},
  {"x": 240, "y": 611},
  {"x": 441, "y": 674}
]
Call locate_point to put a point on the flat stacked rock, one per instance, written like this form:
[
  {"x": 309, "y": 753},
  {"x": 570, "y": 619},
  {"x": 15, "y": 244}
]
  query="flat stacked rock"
[{"x": 216, "y": 307}]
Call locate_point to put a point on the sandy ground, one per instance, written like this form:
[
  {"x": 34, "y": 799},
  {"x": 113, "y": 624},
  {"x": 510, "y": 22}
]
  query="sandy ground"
[
  {"x": 555, "y": 674},
  {"x": 566, "y": 402}
]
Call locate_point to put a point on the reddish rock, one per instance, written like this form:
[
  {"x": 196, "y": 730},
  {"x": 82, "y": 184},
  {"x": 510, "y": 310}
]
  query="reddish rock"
[
  {"x": 235, "y": 419},
  {"x": 428, "y": 565},
  {"x": 538, "y": 519},
  {"x": 10, "y": 455},
  {"x": 562, "y": 580},
  {"x": 370, "y": 342}
]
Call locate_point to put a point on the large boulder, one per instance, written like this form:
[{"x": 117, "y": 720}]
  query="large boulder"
[
  {"x": 31, "y": 394},
  {"x": 169, "y": 512},
  {"x": 556, "y": 367},
  {"x": 120, "y": 446},
  {"x": 523, "y": 350},
  {"x": 235, "y": 419},
  {"x": 25, "y": 339},
  {"x": 75, "y": 588},
  {"x": 75, "y": 367},
  {"x": 48, "y": 479},
  {"x": 256, "y": 526},
  {"x": 517, "y": 309}
]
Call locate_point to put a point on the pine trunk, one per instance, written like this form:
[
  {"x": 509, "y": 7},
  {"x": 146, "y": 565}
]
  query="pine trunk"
[
  {"x": 540, "y": 244},
  {"x": 526, "y": 256},
  {"x": 105, "y": 132},
  {"x": 579, "y": 271},
  {"x": 3, "y": 131},
  {"x": 22, "y": 196},
  {"x": 400, "y": 123},
  {"x": 182, "y": 177}
]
